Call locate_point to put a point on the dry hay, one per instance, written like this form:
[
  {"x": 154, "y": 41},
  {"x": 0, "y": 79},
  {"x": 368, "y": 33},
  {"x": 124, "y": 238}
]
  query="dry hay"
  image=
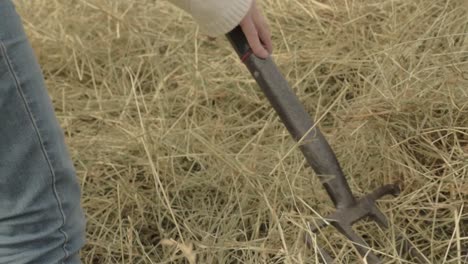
[{"x": 182, "y": 160}]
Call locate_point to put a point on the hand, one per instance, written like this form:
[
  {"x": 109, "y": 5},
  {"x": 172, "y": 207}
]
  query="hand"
[{"x": 257, "y": 32}]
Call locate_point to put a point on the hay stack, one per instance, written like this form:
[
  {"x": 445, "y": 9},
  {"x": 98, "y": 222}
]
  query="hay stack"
[{"x": 182, "y": 160}]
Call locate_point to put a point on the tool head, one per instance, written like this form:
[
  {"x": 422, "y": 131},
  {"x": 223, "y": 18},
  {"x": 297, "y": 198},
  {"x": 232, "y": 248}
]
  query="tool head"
[{"x": 343, "y": 219}]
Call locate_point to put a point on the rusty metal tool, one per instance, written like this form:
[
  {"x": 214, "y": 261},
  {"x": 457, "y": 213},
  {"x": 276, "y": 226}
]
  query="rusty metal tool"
[{"x": 316, "y": 151}]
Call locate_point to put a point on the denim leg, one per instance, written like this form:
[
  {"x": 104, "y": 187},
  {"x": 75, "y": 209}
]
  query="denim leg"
[{"x": 41, "y": 220}]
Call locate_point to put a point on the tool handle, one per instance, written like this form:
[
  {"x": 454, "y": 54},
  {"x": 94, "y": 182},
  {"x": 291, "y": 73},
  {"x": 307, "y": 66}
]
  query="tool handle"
[
  {"x": 239, "y": 42},
  {"x": 300, "y": 125}
]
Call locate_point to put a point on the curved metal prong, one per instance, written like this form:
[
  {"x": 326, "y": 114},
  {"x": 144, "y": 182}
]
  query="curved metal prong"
[
  {"x": 361, "y": 245},
  {"x": 389, "y": 189},
  {"x": 326, "y": 258},
  {"x": 377, "y": 215}
]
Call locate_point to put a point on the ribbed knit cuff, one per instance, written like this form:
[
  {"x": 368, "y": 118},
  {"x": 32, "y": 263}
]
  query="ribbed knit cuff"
[{"x": 219, "y": 16}]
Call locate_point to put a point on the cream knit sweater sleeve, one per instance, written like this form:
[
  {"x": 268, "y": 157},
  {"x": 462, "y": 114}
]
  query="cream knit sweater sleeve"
[{"x": 215, "y": 17}]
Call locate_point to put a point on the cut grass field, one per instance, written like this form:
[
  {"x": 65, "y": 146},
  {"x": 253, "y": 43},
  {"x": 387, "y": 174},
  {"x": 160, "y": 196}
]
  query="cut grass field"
[{"x": 182, "y": 160}]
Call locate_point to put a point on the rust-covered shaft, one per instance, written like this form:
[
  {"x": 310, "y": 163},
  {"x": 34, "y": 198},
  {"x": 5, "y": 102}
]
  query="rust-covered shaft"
[{"x": 314, "y": 146}]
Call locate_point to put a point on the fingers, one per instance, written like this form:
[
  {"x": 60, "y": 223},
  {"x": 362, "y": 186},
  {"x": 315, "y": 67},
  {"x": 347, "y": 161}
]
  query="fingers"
[
  {"x": 257, "y": 32},
  {"x": 262, "y": 27},
  {"x": 264, "y": 34},
  {"x": 253, "y": 37}
]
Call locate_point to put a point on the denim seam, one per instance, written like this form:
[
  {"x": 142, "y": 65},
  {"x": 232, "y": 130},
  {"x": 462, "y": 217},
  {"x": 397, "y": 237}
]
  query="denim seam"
[{"x": 9, "y": 64}]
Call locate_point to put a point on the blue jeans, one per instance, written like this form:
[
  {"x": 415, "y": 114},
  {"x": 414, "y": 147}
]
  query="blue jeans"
[{"x": 41, "y": 220}]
